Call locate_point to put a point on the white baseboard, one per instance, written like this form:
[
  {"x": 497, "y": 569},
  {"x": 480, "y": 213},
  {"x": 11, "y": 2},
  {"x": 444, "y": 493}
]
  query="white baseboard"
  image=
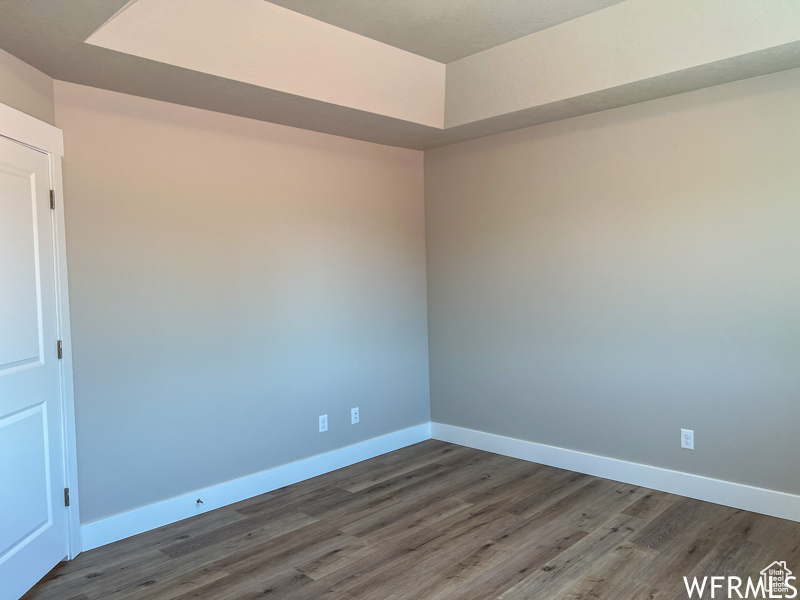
[
  {"x": 737, "y": 495},
  {"x": 149, "y": 517}
]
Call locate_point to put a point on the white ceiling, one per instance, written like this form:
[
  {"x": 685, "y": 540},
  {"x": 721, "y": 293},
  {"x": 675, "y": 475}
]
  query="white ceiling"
[
  {"x": 263, "y": 61},
  {"x": 445, "y": 30},
  {"x": 273, "y": 47}
]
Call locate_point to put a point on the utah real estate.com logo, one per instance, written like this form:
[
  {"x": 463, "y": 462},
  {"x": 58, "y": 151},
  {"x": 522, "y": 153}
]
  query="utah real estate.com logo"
[{"x": 775, "y": 582}]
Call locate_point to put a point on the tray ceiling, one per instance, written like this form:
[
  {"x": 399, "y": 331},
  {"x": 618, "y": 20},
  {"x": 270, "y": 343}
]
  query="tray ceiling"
[{"x": 374, "y": 70}]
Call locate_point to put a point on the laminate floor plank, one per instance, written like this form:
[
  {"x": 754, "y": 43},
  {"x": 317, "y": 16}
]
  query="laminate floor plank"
[
  {"x": 163, "y": 536},
  {"x": 376, "y": 561},
  {"x": 170, "y": 588},
  {"x": 684, "y": 552},
  {"x": 246, "y": 533},
  {"x": 324, "y": 565},
  {"x": 491, "y": 571},
  {"x": 435, "y": 521},
  {"x": 551, "y": 488},
  {"x": 395, "y": 469},
  {"x": 571, "y": 565},
  {"x": 609, "y": 575}
]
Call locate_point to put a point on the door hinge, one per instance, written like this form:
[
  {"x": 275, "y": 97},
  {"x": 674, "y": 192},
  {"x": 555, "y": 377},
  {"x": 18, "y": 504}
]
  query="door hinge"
[
  {"x": 66, "y": 496},
  {"x": 60, "y": 349},
  {"x": 52, "y": 199}
]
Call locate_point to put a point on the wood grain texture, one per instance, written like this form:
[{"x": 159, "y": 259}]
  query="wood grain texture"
[{"x": 435, "y": 521}]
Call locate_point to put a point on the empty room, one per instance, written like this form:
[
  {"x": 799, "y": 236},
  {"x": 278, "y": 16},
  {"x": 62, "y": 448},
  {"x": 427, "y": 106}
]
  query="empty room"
[{"x": 402, "y": 299}]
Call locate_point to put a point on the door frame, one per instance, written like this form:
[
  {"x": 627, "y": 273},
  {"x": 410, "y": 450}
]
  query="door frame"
[{"x": 29, "y": 131}]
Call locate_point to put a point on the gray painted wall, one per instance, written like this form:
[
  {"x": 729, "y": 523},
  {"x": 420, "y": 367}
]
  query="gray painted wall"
[
  {"x": 599, "y": 283},
  {"x": 25, "y": 88},
  {"x": 230, "y": 281}
]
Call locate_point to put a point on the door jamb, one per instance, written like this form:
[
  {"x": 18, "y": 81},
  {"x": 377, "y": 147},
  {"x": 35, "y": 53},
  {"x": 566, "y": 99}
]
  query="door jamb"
[{"x": 32, "y": 132}]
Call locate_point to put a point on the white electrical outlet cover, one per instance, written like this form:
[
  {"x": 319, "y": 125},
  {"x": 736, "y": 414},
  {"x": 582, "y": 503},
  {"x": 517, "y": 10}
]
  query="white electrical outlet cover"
[
  {"x": 687, "y": 439},
  {"x": 354, "y": 418},
  {"x": 323, "y": 423}
]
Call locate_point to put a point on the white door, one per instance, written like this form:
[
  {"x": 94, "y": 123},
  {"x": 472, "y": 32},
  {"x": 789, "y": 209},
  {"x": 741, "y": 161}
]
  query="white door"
[{"x": 33, "y": 518}]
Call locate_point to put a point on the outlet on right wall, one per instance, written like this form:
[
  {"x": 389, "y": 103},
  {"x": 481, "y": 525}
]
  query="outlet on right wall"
[{"x": 600, "y": 283}]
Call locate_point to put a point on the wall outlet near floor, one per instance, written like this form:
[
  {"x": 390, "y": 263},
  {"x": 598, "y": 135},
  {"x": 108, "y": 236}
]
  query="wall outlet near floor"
[
  {"x": 353, "y": 415},
  {"x": 687, "y": 439},
  {"x": 323, "y": 423}
]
